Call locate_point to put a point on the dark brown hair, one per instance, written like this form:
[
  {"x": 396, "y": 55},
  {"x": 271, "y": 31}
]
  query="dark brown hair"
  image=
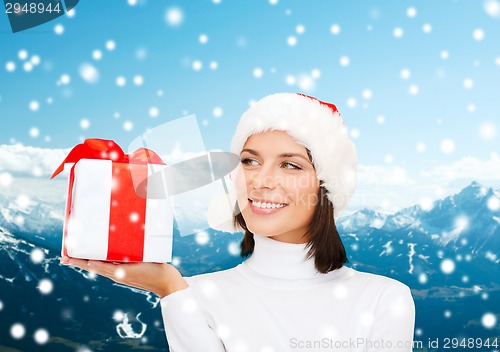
[{"x": 324, "y": 242}]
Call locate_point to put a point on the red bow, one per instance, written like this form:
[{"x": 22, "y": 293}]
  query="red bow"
[{"x": 105, "y": 149}]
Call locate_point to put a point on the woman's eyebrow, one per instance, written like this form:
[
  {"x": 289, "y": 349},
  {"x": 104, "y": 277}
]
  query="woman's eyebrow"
[{"x": 284, "y": 155}]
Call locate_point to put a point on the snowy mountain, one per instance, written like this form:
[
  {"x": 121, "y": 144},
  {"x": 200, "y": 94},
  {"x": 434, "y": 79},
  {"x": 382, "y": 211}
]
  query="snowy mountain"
[
  {"x": 462, "y": 228},
  {"x": 39, "y": 220},
  {"x": 361, "y": 219}
]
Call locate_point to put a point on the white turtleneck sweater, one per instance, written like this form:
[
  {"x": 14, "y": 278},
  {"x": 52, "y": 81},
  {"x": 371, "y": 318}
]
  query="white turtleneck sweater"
[{"x": 276, "y": 301}]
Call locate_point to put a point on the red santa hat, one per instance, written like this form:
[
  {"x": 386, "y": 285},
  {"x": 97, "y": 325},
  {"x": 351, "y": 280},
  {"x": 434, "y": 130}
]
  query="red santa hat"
[{"x": 316, "y": 125}]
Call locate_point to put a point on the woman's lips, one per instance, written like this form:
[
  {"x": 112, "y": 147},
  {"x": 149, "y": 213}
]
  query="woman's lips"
[{"x": 266, "y": 211}]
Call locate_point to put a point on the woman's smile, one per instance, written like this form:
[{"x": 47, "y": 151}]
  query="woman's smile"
[{"x": 264, "y": 207}]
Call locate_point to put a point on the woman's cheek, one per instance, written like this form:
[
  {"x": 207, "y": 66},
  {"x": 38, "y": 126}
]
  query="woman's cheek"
[{"x": 238, "y": 178}]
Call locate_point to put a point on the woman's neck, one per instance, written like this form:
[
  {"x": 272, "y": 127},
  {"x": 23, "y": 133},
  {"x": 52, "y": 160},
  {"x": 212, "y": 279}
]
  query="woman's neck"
[{"x": 282, "y": 260}]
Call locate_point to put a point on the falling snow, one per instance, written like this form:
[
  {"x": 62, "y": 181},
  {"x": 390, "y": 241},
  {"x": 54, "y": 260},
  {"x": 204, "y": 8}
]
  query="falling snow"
[
  {"x": 89, "y": 73},
  {"x": 427, "y": 28},
  {"x": 422, "y": 278},
  {"x": 214, "y": 65},
  {"x": 203, "y": 39},
  {"x": 97, "y": 55},
  {"x": 65, "y": 79},
  {"x": 489, "y": 320},
  {"x": 138, "y": 80},
  {"x": 10, "y": 66},
  {"x": 121, "y": 81},
  {"x": 22, "y": 54},
  {"x": 41, "y": 336},
  {"x": 59, "y": 29},
  {"x": 352, "y": 102},
  {"x": 478, "y": 34},
  {"x": 492, "y": 8},
  {"x": 335, "y": 29},
  {"x": 344, "y": 61},
  {"x": 405, "y": 73},
  {"x": 447, "y": 146},
  {"x": 257, "y": 72},
  {"x": 174, "y": 17},
  {"x": 413, "y": 89},
  {"x": 84, "y": 124},
  {"x": 217, "y": 112},
  {"x": 487, "y": 131},
  {"x": 291, "y": 40},
  {"x": 37, "y": 256},
  {"x": 154, "y": 111},
  {"x": 197, "y": 65},
  {"x": 447, "y": 266},
  {"x": 34, "y": 105},
  {"x": 17, "y": 331},
  {"x": 110, "y": 45},
  {"x": 398, "y": 32},
  {"x": 45, "y": 286},
  {"x": 202, "y": 237}
]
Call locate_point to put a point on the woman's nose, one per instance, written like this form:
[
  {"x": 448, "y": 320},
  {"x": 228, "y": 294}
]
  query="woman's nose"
[{"x": 264, "y": 178}]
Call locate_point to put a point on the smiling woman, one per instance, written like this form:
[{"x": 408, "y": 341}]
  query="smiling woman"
[{"x": 297, "y": 173}]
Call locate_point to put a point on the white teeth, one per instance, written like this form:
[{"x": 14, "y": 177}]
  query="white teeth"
[{"x": 265, "y": 205}]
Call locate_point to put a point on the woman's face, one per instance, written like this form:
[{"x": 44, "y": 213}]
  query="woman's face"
[{"x": 277, "y": 187}]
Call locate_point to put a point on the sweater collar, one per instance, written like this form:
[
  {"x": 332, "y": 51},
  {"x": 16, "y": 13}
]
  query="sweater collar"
[{"x": 281, "y": 260}]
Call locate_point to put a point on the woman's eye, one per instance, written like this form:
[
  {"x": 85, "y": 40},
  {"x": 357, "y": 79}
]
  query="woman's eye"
[
  {"x": 293, "y": 166},
  {"x": 246, "y": 161}
]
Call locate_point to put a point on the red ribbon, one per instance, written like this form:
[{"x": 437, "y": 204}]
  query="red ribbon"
[
  {"x": 128, "y": 211},
  {"x": 106, "y": 149}
]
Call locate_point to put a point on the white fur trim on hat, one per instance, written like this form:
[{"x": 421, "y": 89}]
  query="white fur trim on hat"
[{"x": 313, "y": 124}]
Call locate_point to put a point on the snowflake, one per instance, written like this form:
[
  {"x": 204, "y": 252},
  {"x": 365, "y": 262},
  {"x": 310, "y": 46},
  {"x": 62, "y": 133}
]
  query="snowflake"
[
  {"x": 447, "y": 266},
  {"x": 45, "y": 286},
  {"x": 202, "y": 237},
  {"x": 478, "y": 34},
  {"x": 203, "y": 39},
  {"x": 41, "y": 336},
  {"x": 37, "y": 255},
  {"x": 154, "y": 112},
  {"x": 489, "y": 320},
  {"x": 174, "y": 16},
  {"x": 59, "y": 29},
  {"x": 447, "y": 146},
  {"x": 84, "y": 124},
  {"x": 17, "y": 331},
  {"x": 88, "y": 73}
]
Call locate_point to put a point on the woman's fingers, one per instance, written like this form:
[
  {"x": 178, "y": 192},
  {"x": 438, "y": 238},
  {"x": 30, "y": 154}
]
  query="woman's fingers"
[
  {"x": 80, "y": 263},
  {"x": 89, "y": 265},
  {"x": 115, "y": 272}
]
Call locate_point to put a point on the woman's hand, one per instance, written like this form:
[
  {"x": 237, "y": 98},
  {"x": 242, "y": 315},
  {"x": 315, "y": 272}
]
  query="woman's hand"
[{"x": 162, "y": 279}]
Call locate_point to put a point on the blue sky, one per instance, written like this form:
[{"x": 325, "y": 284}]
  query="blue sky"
[{"x": 416, "y": 82}]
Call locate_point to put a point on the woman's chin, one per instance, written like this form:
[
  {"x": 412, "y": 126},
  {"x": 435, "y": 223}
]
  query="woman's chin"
[{"x": 263, "y": 230}]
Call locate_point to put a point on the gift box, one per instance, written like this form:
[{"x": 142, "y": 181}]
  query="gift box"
[{"x": 107, "y": 217}]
